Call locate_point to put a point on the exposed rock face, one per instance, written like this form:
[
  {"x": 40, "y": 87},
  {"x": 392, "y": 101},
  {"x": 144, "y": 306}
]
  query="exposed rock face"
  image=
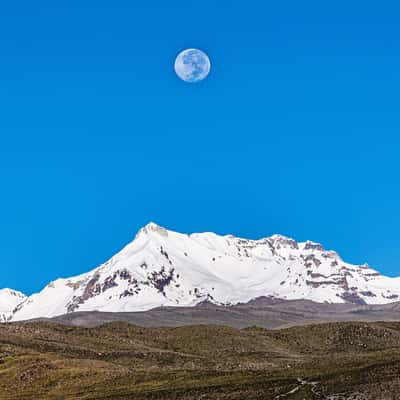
[
  {"x": 161, "y": 279},
  {"x": 165, "y": 268}
]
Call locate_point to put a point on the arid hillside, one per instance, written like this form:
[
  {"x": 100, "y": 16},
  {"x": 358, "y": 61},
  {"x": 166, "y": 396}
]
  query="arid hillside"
[{"x": 347, "y": 360}]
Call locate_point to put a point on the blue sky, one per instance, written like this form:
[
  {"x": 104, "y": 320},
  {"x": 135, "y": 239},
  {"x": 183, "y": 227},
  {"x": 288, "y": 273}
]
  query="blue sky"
[{"x": 295, "y": 131}]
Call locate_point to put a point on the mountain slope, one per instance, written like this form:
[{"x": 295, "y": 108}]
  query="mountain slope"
[
  {"x": 165, "y": 268},
  {"x": 9, "y": 299},
  {"x": 263, "y": 312}
]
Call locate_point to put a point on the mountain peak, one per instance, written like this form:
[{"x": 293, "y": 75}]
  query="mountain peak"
[
  {"x": 152, "y": 227},
  {"x": 309, "y": 245},
  {"x": 9, "y": 299},
  {"x": 277, "y": 236},
  {"x": 12, "y": 292},
  {"x": 284, "y": 241}
]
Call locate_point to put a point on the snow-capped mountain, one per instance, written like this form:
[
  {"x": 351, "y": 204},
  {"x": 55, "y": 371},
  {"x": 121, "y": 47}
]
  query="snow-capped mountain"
[
  {"x": 9, "y": 299},
  {"x": 165, "y": 268}
]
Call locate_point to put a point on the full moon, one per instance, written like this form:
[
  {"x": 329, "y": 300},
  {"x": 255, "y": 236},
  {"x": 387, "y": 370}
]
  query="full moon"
[{"x": 192, "y": 65}]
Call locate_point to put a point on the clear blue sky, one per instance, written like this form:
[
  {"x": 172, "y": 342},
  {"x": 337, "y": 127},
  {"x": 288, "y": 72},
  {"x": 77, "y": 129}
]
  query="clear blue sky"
[{"x": 296, "y": 130}]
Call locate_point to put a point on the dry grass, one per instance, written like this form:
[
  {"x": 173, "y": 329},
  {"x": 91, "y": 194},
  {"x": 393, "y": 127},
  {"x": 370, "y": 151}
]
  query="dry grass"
[{"x": 121, "y": 361}]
